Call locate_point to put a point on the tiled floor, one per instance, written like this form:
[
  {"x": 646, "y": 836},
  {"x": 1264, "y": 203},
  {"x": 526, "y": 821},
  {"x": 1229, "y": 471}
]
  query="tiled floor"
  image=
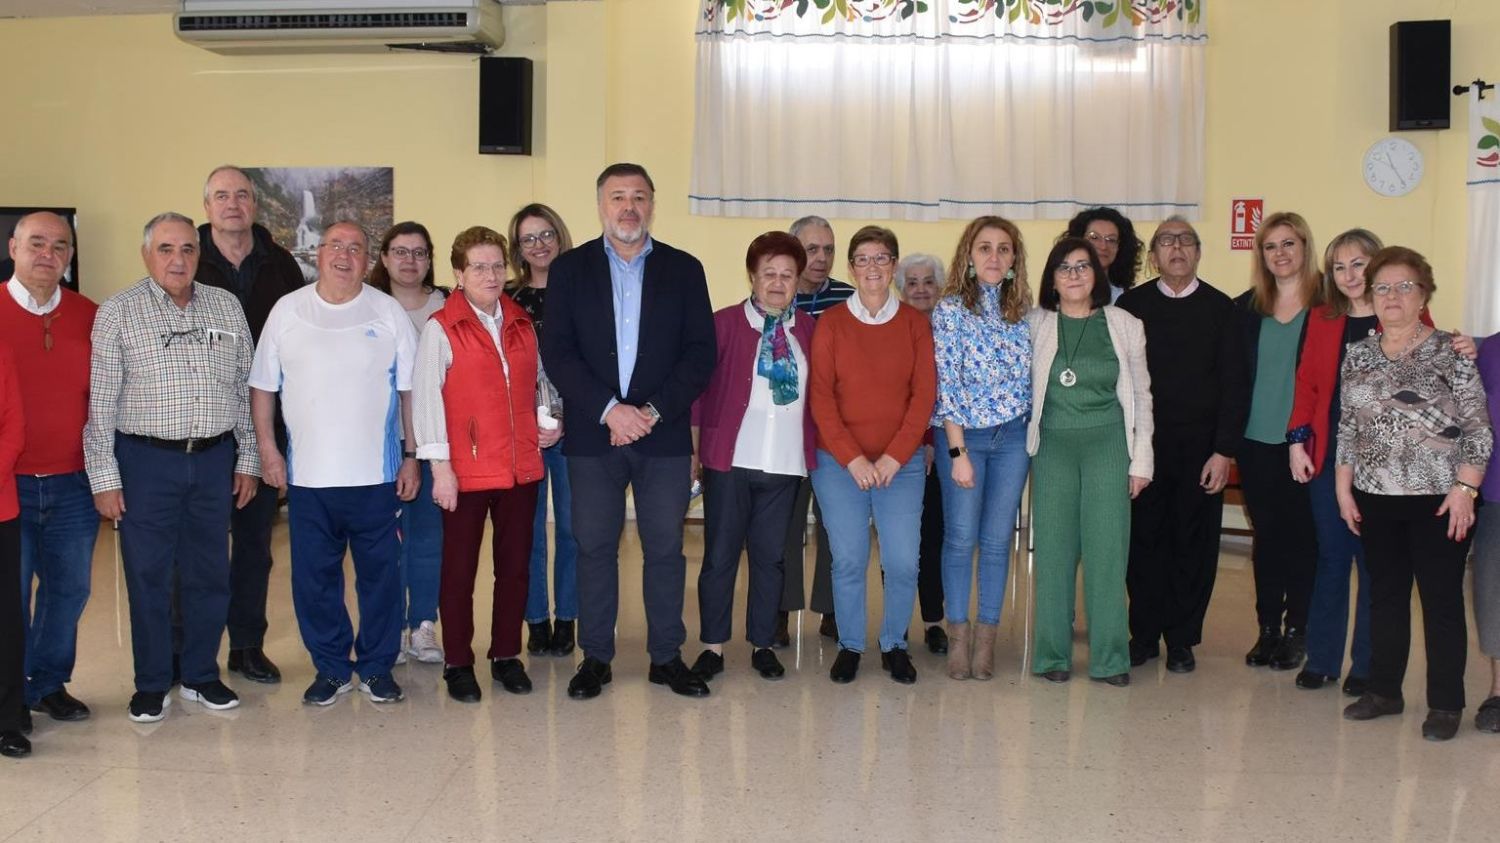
[{"x": 1225, "y": 754}]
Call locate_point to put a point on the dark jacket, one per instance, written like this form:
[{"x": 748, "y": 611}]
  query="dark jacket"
[
  {"x": 675, "y": 357},
  {"x": 276, "y": 274}
]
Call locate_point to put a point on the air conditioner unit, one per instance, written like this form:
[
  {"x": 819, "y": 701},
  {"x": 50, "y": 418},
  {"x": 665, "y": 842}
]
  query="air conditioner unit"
[{"x": 338, "y": 26}]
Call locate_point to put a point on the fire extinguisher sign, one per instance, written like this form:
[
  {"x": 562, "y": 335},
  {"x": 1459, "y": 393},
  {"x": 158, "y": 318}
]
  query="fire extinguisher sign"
[{"x": 1244, "y": 220}]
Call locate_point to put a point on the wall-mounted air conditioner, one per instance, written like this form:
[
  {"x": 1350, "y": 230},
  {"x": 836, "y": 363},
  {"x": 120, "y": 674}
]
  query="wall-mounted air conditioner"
[{"x": 307, "y": 26}]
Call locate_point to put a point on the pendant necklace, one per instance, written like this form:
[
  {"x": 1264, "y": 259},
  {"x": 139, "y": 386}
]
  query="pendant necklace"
[{"x": 1068, "y": 377}]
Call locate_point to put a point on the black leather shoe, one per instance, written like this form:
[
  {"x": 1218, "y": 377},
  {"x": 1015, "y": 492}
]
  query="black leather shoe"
[
  {"x": 783, "y": 636},
  {"x": 1180, "y": 660},
  {"x": 590, "y": 679},
  {"x": 562, "y": 639},
  {"x": 1290, "y": 654},
  {"x": 898, "y": 664},
  {"x": 251, "y": 663},
  {"x": 829, "y": 627},
  {"x": 1265, "y": 645},
  {"x": 675, "y": 675},
  {"x": 1371, "y": 706},
  {"x": 708, "y": 665},
  {"x": 766, "y": 664},
  {"x": 1355, "y": 686},
  {"x": 937, "y": 639},
  {"x": 1142, "y": 653},
  {"x": 1440, "y": 725},
  {"x": 14, "y": 745},
  {"x": 540, "y": 639},
  {"x": 60, "y": 705},
  {"x": 1058, "y": 676},
  {"x": 845, "y": 666},
  {"x": 1310, "y": 681},
  {"x": 511, "y": 675},
  {"x": 462, "y": 685}
]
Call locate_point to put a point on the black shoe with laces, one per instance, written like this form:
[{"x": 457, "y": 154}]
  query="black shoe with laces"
[
  {"x": 1265, "y": 645},
  {"x": 149, "y": 706},
  {"x": 590, "y": 679},
  {"x": 898, "y": 664},
  {"x": 1180, "y": 660},
  {"x": 766, "y": 664},
  {"x": 676, "y": 675},
  {"x": 213, "y": 695},
  {"x": 708, "y": 665},
  {"x": 1292, "y": 650}
]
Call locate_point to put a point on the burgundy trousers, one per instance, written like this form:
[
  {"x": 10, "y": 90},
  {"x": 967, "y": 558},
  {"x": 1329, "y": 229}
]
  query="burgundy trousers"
[{"x": 512, "y": 512}]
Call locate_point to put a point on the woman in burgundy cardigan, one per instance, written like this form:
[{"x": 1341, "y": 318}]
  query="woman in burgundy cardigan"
[{"x": 754, "y": 439}]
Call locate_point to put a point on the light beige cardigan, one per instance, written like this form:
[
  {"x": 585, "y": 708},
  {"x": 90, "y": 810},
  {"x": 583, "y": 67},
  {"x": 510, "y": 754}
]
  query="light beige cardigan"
[{"x": 1133, "y": 389}]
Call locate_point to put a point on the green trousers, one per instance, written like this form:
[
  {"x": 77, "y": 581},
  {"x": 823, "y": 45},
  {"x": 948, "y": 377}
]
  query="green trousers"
[{"x": 1081, "y": 503}]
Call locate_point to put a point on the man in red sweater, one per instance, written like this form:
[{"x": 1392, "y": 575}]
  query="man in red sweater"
[{"x": 47, "y": 328}]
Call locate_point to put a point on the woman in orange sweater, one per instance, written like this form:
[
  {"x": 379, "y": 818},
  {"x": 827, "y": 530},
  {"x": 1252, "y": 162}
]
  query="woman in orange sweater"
[{"x": 871, "y": 389}]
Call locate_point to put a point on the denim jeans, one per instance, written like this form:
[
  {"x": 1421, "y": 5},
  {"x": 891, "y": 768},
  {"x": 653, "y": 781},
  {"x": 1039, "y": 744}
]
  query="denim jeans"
[
  {"x": 421, "y": 553},
  {"x": 984, "y": 516},
  {"x": 897, "y": 510},
  {"x": 565, "y": 556},
  {"x": 1328, "y": 613},
  {"x": 58, "y": 528}
]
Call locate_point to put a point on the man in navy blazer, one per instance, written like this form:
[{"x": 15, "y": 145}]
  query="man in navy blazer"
[{"x": 630, "y": 344}]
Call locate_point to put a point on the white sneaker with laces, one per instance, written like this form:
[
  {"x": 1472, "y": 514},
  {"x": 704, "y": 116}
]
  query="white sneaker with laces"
[{"x": 424, "y": 644}]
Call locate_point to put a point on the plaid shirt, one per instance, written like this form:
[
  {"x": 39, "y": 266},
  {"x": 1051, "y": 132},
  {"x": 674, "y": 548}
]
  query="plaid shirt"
[{"x": 168, "y": 373}]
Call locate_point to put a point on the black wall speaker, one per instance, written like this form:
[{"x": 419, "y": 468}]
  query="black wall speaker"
[
  {"x": 505, "y": 106},
  {"x": 1421, "y": 52}
]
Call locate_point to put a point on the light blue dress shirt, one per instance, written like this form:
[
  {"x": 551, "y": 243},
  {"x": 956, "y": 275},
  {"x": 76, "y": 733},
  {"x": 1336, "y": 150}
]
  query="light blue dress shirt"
[{"x": 625, "y": 281}]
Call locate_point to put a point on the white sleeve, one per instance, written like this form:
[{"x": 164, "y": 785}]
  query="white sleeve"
[
  {"x": 429, "y": 419},
  {"x": 265, "y": 370},
  {"x": 406, "y": 346}
]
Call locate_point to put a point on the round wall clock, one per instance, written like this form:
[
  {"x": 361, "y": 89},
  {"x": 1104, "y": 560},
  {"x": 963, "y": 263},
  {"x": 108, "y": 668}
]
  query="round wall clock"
[{"x": 1393, "y": 166}]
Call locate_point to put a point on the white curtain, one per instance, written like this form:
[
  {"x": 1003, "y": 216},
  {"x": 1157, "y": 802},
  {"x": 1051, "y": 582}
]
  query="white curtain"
[
  {"x": 1482, "y": 316},
  {"x": 951, "y": 112}
]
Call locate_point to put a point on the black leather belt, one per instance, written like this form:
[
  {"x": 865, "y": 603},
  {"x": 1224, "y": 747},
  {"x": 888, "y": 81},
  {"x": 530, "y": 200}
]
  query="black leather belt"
[{"x": 186, "y": 446}]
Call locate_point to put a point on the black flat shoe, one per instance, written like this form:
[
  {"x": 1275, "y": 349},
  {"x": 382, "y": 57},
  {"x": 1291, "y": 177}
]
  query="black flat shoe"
[
  {"x": 590, "y": 679},
  {"x": 766, "y": 664},
  {"x": 898, "y": 664},
  {"x": 511, "y": 675},
  {"x": 708, "y": 665},
  {"x": 676, "y": 675},
  {"x": 1440, "y": 725},
  {"x": 1119, "y": 680},
  {"x": 1290, "y": 654},
  {"x": 251, "y": 663},
  {"x": 462, "y": 685},
  {"x": 783, "y": 636},
  {"x": 829, "y": 627},
  {"x": 14, "y": 745},
  {"x": 1180, "y": 660},
  {"x": 1355, "y": 686},
  {"x": 1265, "y": 645},
  {"x": 539, "y": 641},
  {"x": 937, "y": 639},
  {"x": 562, "y": 641},
  {"x": 845, "y": 666},
  {"x": 1371, "y": 706},
  {"x": 1142, "y": 653},
  {"x": 1057, "y": 676},
  {"x": 60, "y": 705},
  {"x": 1313, "y": 681}
]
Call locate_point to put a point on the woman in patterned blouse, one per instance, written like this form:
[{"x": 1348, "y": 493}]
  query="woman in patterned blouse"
[
  {"x": 983, "y": 350},
  {"x": 1414, "y": 439}
]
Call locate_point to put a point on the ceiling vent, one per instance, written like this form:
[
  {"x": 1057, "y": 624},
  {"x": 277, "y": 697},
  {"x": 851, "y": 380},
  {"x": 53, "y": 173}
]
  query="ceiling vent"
[{"x": 340, "y": 26}]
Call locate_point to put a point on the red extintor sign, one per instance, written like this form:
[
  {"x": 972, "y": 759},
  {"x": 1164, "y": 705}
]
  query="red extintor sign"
[{"x": 1244, "y": 220}]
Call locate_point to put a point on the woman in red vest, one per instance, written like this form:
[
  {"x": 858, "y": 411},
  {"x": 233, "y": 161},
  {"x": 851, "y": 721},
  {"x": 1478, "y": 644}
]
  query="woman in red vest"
[{"x": 474, "y": 418}]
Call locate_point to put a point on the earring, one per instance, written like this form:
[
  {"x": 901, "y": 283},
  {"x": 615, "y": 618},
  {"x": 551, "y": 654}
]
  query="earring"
[
  {"x": 971, "y": 274},
  {"x": 1010, "y": 274}
]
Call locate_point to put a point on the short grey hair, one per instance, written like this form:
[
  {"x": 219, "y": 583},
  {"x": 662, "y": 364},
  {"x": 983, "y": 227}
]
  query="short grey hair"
[
  {"x": 913, "y": 261},
  {"x": 230, "y": 168},
  {"x": 166, "y": 216},
  {"x": 811, "y": 219},
  {"x": 1178, "y": 219}
]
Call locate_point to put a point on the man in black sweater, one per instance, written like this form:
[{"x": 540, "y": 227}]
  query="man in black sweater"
[
  {"x": 1200, "y": 399},
  {"x": 240, "y": 256}
]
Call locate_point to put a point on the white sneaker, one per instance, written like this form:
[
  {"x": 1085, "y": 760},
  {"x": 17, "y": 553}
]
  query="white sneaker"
[
  {"x": 424, "y": 644},
  {"x": 401, "y": 651}
]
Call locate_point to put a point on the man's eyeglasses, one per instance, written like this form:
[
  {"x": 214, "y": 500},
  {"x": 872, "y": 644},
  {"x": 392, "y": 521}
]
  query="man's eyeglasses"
[
  {"x": 531, "y": 241},
  {"x": 882, "y": 259},
  {"x": 402, "y": 253},
  {"x": 353, "y": 250},
  {"x": 191, "y": 335},
  {"x": 1186, "y": 241}
]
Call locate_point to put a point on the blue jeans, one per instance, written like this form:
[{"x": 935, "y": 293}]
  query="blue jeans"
[
  {"x": 58, "y": 527},
  {"x": 897, "y": 510},
  {"x": 984, "y": 516},
  {"x": 1328, "y": 613},
  {"x": 565, "y": 560},
  {"x": 421, "y": 553}
]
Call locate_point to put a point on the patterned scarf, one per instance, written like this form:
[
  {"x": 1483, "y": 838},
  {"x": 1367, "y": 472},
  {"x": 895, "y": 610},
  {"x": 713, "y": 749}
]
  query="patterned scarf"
[{"x": 775, "y": 361}]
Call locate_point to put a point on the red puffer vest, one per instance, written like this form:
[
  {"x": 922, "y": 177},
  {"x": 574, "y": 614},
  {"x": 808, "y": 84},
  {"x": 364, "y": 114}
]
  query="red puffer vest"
[{"x": 492, "y": 431}]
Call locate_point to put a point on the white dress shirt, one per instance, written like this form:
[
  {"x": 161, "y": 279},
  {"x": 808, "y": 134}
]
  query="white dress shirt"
[{"x": 23, "y": 297}]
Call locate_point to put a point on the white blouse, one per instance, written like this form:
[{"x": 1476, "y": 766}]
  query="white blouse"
[{"x": 770, "y": 437}]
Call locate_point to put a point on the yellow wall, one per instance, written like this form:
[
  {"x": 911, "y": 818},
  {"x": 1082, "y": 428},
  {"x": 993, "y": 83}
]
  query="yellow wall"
[{"x": 117, "y": 117}]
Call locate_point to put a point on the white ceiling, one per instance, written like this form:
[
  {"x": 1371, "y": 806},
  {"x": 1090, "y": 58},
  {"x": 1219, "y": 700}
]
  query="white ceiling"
[{"x": 70, "y": 8}]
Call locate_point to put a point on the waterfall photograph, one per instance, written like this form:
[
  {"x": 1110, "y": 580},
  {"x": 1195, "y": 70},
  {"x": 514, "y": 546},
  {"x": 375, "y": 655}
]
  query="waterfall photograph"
[{"x": 297, "y": 203}]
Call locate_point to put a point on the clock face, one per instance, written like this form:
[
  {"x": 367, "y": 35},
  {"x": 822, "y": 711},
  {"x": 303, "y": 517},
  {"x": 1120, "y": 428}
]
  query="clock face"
[{"x": 1393, "y": 167}]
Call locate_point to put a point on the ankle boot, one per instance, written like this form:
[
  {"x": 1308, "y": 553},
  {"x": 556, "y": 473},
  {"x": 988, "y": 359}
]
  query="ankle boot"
[
  {"x": 958, "y": 650},
  {"x": 984, "y": 650}
]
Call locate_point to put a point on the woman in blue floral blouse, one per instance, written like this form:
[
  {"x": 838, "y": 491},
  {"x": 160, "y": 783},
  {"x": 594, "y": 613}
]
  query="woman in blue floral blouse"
[{"x": 983, "y": 351}]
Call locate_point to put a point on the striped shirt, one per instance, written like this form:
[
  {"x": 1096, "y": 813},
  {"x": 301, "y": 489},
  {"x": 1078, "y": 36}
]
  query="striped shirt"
[
  {"x": 831, "y": 293},
  {"x": 168, "y": 372}
]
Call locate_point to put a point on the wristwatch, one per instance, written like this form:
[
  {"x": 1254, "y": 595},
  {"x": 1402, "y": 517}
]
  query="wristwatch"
[
  {"x": 655, "y": 415},
  {"x": 409, "y": 455},
  {"x": 955, "y": 453}
]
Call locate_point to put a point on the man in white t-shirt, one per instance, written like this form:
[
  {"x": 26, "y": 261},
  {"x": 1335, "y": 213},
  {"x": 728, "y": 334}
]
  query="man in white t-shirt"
[{"x": 340, "y": 354}]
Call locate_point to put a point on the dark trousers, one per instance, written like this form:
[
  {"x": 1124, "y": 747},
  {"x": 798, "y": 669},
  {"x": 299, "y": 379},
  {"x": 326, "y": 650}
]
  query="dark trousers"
[
  {"x": 325, "y": 524},
  {"x": 1174, "y": 543},
  {"x": 12, "y": 629},
  {"x": 1403, "y": 541},
  {"x": 177, "y": 509},
  {"x": 1285, "y": 550},
  {"x": 511, "y": 511},
  {"x": 250, "y": 568},
  {"x": 930, "y": 557},
  {"x": 743, "y": 509},
  {"x": 795, "y": 555},
  {"x": 660, "y": 487}
]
